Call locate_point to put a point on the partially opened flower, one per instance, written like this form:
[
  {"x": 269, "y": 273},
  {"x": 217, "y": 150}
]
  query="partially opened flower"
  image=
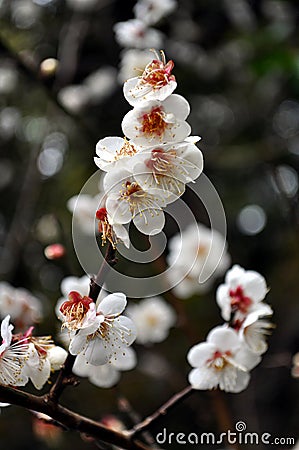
[
  {"x": 126, "y": 201},
  {"x": 135, "y": 33},
  {"x": 111, "y": 150},
  {"x": 113, "y": 334},
  {"x": 158, "y": 122},
  {"x": 221, "y": 361},
  {"x": 106, "y": 375},
  {"x": 253, "y": 332},
  {"x": 79, "y": 312},
  {"x": 156, "y": 83},
  {"x": 153, "y": 318},
  {"x": 113, "y": 232},
  {"x": 167, "y": 168},
  {"x": 242, "y": 293}
]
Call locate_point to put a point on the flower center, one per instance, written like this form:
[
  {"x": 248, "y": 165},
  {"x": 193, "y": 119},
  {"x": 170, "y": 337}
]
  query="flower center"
[
  {"x": 160, "y": 161},
  {"x": 126, "y": 150},
  {"x": 132, "y": 188},
  {"x": 158, "y": 74},
  {"x": 239, "y": 302},
  {"x": 154, "y": 122},
  {"x": 219, "y": 360},
  {"x": 75, "y": 310}
]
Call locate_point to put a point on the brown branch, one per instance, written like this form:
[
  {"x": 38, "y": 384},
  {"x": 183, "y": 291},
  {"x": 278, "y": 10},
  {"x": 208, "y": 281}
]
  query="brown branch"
[
  {"x": 162, "y": 411},
  {"x": 65, "y": 377},
  {"x": 70, "y": 419}
]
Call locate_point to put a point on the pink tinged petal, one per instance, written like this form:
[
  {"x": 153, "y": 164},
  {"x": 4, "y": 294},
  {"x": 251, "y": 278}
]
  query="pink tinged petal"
[
  {"x": 78, "y": 343},
  {"x": 124, "y": 359},
  {"x": 150, "y": 221},
  {"x": 113, "y": 304},
  {"x": 96, "y": 352},
  {"x": 225, "y": 339},
  {"x": 224, "y": 301},
  {"x": 200, "y": 354},
  {"x": 203, "y": 379},
  {"x": 118, "y": 209},
  {"x": 254, "y": 285},
  {"x": 104, "y": 376},
  {"x": 41, "y": 374}
]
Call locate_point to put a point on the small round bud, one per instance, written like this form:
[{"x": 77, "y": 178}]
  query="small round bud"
[
  {"x": 48, "y": 67},
  {"x": 54, "y": 251}
]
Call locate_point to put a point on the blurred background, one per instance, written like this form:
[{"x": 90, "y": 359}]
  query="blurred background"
[{"x": 61, "y": 74}]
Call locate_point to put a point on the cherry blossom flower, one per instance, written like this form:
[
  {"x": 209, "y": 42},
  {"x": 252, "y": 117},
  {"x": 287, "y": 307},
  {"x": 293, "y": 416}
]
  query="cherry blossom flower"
[
  {"x": 158, "y": 122},
  {"x": 167, "y": 168},
  {"x": 23, "y": 308},
  {"x": 113, "y": 232},
  {"x": 196, "y": 253},
  {"x": 221, "y": 361},
  {"x": 151, "y": 11},
  {"x": 13, "y": 356},
  {"x": 110, "y": 150},
  {"x": 242, "y": 293},
  {"x": 156, "y": 83},
  {"x": 253, "y": 331},
  {"x": 114, "y": 332},
  {"x": 79, "y": 312},
  {"x": 153, "y": 318},
  {"x": 106, "y": 375},
  {"x": 133, "y": 63},
  {"x": 126, "y": 200},
  {"x": 135, "y": 33}
]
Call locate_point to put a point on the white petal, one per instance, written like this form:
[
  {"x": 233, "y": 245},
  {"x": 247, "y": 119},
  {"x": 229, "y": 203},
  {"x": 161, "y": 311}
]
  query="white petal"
[
  {"x": 127, "y": 330},
  {"x": 225, "y": 339},
  {"x": 203, "y": 379},
  {"x": 254, "y": 285},
  {"x": 200, "y": 354},
  {"x": 224, "y": 301},
  {"x": 96, "y": 352},
  {"x": 104, "y": 376},
  {"x": 241, "y": 383},
  {"x": 150, "y": 221},
  {"x": 78, "y": 344},
  {"x": 41, "y": 374},
  {"x": 118, "y": 209},
  {"x": 113, "y": 304},
  {"x": 124, "y": 359}
]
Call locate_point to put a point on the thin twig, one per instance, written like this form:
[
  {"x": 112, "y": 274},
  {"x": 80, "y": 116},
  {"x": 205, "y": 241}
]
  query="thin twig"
[{"x": 162, "y": 411}]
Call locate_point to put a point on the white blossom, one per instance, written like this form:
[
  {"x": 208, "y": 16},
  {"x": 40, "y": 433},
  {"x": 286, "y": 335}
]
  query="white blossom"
[
  {"x": 242, "y": 293},
  {"x": 158, "y": 122},
  {"x": 151, "y": 11},
  {"x": 155, "y": 84},
  {"x": 221, "y": 361},
  {"x": 127, "y": 201},
  {"x": 167, "y": 168},
  {"x": 135, "y": 33},
  {"x": 106, "y": 375},
  {"x": 253, "y": 332},
  {"x": 197, "y": 251},
  {"x": 114, "y": 332},
  {"x": 23, "y": 308},
  {"x": 153, "y": 318}
]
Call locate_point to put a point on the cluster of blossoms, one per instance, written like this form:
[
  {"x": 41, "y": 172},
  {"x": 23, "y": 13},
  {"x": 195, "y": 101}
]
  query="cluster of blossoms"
[
  {"x": 137, "y": 35},
  {"x": 150, "y": 167},
  {"x": 233, "y": 349},
  {"x": 23, "y": 308},
  {"x": 25, "y": 357}
]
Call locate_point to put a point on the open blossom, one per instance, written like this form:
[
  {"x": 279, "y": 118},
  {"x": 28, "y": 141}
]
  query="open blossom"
[
  {"x": 221, "y": 361},
  {"x": 23, "y": 308},
  {"x": 106, "y": 375},
  {"x": 242, "y": 293},
  {"x": 167, "y": 168},
  {"x": 158, "y": 122},
  {"x": 151, "y": 11},
  {"x": 196, "y": 253},
  {"x": 111, "y": 149},
  {"x": 13, "y": 356},
  {"x": 135, "y": 33},
  {"x": 127, "y": 201},
  {"x": 253, "y": 331},
  {"x": 109, "y": 333},
  {"x": 153, "y": 318},
  {"x": 156, "y": 83}
]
